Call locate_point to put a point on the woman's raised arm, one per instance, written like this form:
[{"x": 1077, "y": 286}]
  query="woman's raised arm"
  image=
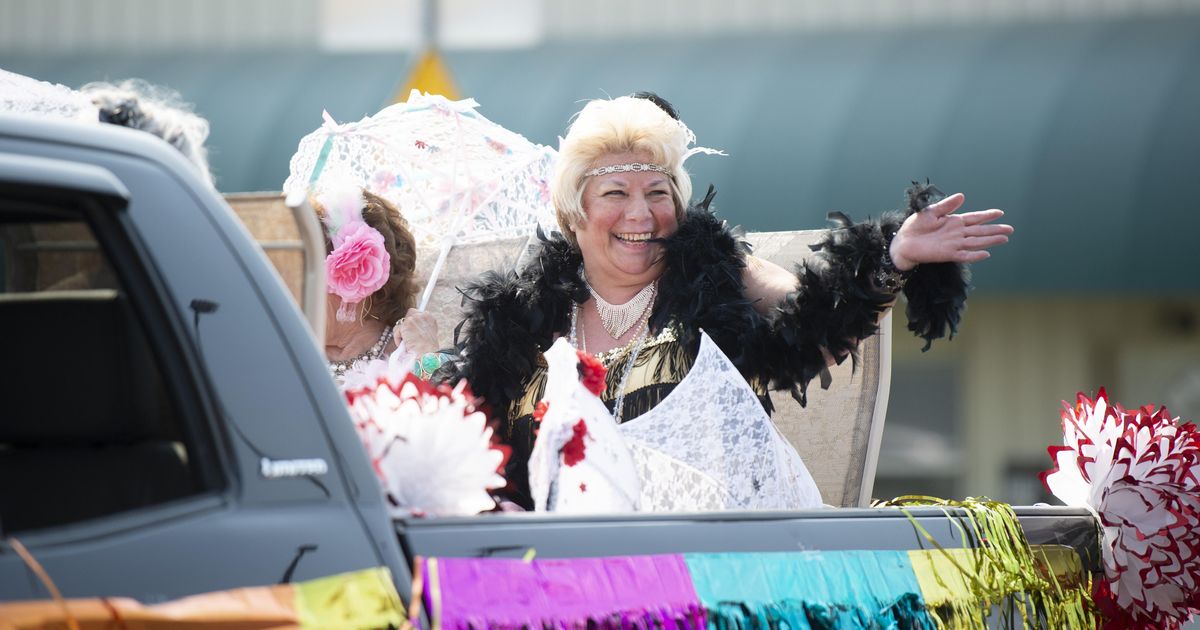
[{"x": 766, "y": 283}]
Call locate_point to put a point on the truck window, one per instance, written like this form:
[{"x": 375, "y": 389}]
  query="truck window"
[{"x": 87, "y": 428}]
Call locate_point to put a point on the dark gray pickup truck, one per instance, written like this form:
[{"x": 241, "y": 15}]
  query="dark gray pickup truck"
[{"x": 168, "y": 425}]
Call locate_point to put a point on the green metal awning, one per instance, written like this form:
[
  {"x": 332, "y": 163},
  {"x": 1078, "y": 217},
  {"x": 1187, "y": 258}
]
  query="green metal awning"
[{"x": 1087, "y": 134}]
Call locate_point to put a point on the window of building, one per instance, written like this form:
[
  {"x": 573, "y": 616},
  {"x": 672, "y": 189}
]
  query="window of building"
[{"x": 921, "y": 451}]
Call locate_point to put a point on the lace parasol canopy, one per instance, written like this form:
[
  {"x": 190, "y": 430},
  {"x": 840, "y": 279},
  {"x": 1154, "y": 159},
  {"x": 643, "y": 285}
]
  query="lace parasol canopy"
[
  {"x": 20, "y": 94},
  {"x": 453, "y": 173},
  {"x": 456, "y": 176}
]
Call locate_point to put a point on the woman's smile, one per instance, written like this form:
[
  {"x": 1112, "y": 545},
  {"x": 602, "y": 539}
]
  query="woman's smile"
[
  {"x": 635, "y": 241},
  {"x": 635, "y": 237}
]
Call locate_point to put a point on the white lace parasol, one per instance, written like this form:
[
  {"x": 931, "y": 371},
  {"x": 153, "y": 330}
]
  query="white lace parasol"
[
  {"x": 20, "y": 94},
  {"x": 456, "y": 176}
]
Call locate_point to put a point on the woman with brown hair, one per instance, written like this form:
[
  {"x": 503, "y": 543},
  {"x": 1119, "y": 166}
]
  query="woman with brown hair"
[{"x": 370, "y": 266}]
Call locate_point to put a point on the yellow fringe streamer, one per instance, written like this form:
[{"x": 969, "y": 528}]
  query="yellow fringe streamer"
[
  {"x": 362, "y": 599},
  {"x": 1039, "y": 587}
]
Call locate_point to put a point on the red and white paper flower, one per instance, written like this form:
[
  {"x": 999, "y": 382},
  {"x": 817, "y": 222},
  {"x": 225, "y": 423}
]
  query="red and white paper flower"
[
  {"x": 432, "y": 451},
  {"x": 1137, "y": 470}
]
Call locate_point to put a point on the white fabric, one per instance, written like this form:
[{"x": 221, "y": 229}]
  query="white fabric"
[
  {"x": 709, "y": 445},
  {"x": 606, "y": 480},
  {"x": 20, "y": 94},
  {"x": 455, "y": 175}
]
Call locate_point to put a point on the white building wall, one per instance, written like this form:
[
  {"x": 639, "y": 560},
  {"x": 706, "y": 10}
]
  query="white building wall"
[
  {"x": 615, "y": 19},
  {"x": 61, "y": 26},
  {"x": 54, "y": 26},
  {"x": 372, "y": 25}
]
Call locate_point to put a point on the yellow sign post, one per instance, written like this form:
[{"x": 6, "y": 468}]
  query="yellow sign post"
[{"x": 429, "y": 74}]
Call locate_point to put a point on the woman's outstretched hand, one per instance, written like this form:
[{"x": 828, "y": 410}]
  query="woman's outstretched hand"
[{"x": 937, "y": 234}]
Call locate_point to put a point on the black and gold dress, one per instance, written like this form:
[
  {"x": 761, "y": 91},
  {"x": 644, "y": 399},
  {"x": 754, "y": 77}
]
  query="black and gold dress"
[{"x": 512, "y": 318}]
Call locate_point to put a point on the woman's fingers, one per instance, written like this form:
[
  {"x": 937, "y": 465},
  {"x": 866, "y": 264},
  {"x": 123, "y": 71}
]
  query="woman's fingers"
[
  {"x": 413, "y": 316},
  {"x": 419, "y": 330},
  {"x": 973, "y": 256},
  {"x": 981, "y": 216},
  {"x": 982, "y": 242},
  {"x": 991, "y": 229},
  {"x": 419, "y": 323},
  {"x": 946, "y": 206}
]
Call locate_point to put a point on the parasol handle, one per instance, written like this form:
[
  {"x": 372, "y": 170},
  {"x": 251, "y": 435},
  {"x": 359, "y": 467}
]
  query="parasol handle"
[
  {"x": 434, "y": 273},
  {"x": 402, "y": 349}
]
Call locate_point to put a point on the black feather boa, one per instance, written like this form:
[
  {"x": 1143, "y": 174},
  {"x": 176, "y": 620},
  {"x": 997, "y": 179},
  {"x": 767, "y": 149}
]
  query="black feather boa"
[
  {"x": 836, "y": 305},
  {"x": 936, "y": 293},
  {"x": 511, "y": 318}
]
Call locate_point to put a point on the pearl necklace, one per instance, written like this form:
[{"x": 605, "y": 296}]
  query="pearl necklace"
[
  {"x": 638, "y": 341},
  {"x": 338, "y": 368},
  {"x": 617, "y": 319}
]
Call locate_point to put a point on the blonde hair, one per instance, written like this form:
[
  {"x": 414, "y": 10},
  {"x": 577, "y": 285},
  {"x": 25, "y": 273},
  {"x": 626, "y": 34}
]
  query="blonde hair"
[{"x": 621, "y": 125}]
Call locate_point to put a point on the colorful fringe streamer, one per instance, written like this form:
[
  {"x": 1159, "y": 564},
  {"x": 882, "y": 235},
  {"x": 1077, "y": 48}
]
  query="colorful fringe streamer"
[
  {"x": 361, "y": 599},
  {"x": 612, "y": 592},
  {"x": 997, "y": 576}
]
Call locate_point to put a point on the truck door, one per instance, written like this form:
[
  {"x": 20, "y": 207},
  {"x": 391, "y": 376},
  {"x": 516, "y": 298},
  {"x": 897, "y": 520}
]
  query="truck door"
[{"x": 156, "y": 439}]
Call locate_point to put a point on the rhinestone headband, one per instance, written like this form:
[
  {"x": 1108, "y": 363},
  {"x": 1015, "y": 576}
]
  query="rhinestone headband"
[{"x": 632, "y": 167}]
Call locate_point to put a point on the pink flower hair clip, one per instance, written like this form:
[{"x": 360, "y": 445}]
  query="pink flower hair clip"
[{"x": 359, "y": 264}]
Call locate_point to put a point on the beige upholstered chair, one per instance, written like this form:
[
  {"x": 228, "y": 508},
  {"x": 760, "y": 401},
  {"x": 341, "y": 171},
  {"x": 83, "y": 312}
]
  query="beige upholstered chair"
[
  {"x": 274, "y": 226},
  {"x": 838, "y": 434}
]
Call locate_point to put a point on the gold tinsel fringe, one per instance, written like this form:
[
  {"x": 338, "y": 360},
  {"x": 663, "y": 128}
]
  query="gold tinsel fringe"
[{"x": 1035, "y": 587}]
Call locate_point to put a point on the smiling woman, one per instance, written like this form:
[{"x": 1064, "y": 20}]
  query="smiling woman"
[{"x": 637, "y": 281}]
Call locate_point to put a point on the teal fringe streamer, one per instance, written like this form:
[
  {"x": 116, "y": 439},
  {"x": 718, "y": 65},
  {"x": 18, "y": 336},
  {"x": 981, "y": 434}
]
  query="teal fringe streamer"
[{"x": 809, "y": 590}]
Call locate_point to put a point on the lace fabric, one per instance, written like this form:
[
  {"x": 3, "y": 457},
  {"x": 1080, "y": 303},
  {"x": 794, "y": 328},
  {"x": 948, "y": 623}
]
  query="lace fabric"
[
  {"x": 709, "y": 445},
  {"x": 20, "y": 94},
  {"x": 452, "y": 172}
]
